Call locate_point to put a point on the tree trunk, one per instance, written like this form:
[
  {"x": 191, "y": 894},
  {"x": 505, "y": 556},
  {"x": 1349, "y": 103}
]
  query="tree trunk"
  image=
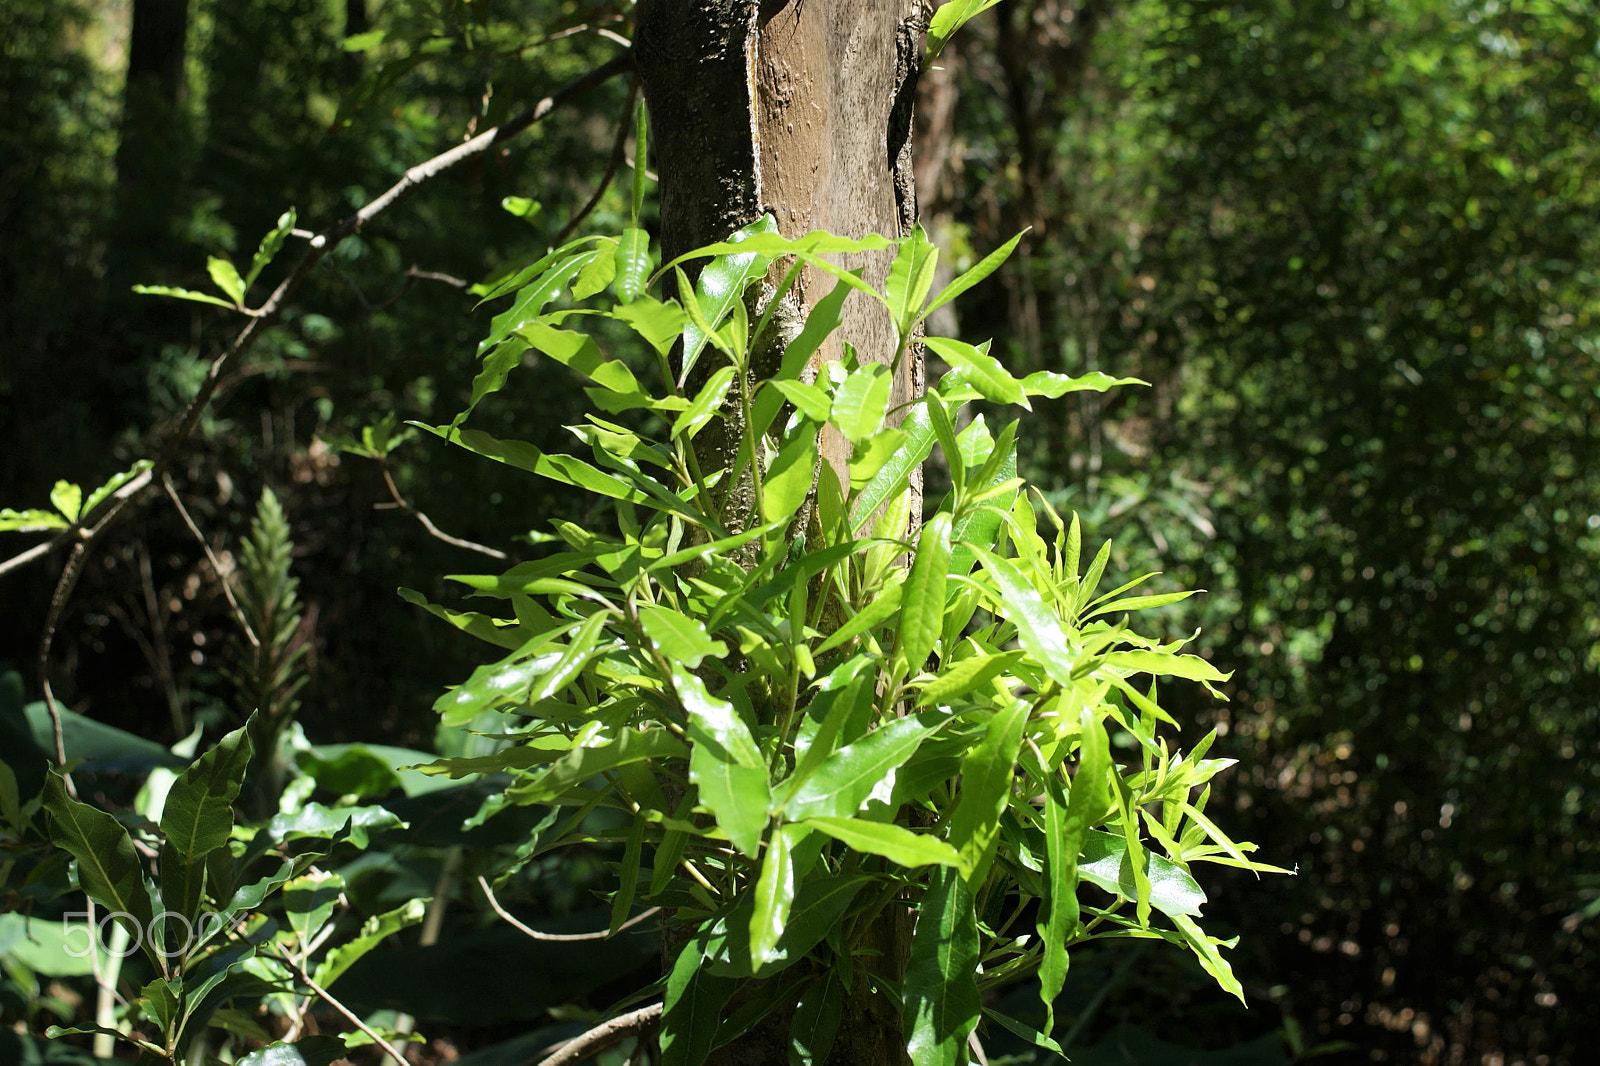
[
  {"x": 804, "y": 110},
  {"x": 152, "y": 146}
]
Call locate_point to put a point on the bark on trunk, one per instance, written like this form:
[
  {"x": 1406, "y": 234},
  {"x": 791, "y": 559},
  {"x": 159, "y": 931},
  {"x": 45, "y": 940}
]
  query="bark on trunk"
[{"x": 802, "y": 109}]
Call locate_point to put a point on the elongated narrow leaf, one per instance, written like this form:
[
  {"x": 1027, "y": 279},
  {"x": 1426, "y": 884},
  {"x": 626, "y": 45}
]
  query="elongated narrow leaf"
[
  {"x": 923, "y": 601},
  {"x": 725, "y": 763},
  {"x": 1038, "y": 628},
  {"x": 108, "y": 867},
  {"x": 579, "y": 352},
  {"x": 956, "y": 681},
  {"x": 869, "y": 617},
  {"x": 1162, "y": 664},
  {"x": 766, "y": 240},
  {"x": 788, "y": 480},
  {"x": 1106, "y": 863},
  {"x": 197, "y": 819},
  {"x": 721, "y": 284},
  {"x": 774, "y": 894},
  {"x": 1205, "y": 949},
  {"x": 226, "y": 277},
  {"x": 182, "y": 294},
  {"x": 895, "y": 843},
  {"x": 31, "y": 521},
  {"x": 1050, "y": 384},
  {"x": 895, "y": 474},
  {"x": 910, "y": 279},
  {"x": 373, "y": 932},
  {"x": 820, "y": 903},
  {"x": 534, "y": 297},
  {"x": 271, "y": 244},
  {"x": 580, "y": 764},
  {"x": 694, "y": 1001},
  {"x": 987, "y": 774},
  {"x": 986, "y": 266},
  {"x": 632, "y": 264},
  {"x": 859, "y": 402},
  {"x": 939, "y": 1003},
  {"x": 115, "y": 482},
  {"x": 809, "y": 400},
  {"x": 949, "y": 18},
  {"x": 816, "y": 1022},
  {"x": 678, "y": 637},
  {"x": 659, "y": 322},
  {"x": 844, "y": 780},
  {"x": 980, "y": 370},
  {"x": 1066, "y": 827},
  {"x": 822, "y": 320}
]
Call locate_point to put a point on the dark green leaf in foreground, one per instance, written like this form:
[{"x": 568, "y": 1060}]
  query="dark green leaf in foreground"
[
  {"x": 108, "y": 866},
  {"x": 940, "y": 996}
]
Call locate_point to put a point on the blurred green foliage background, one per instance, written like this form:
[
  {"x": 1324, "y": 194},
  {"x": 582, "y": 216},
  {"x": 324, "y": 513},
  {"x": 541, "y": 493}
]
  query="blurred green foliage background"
[{"x": 1353, "y": 246}]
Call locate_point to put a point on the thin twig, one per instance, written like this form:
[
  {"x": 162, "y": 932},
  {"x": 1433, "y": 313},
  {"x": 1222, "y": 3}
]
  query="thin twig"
[
  {"x": 427, "y": 523},
  {"x": 433, "y": 275},
  {"x": 618, "y": 150},
  {"x": 603, "y": 934},
  {"x": 341, "y": 1008},
  {"x": 263, "y": 318},
  {"x": 603, "y": 1036},
  {"x": 216, "y": 567}
]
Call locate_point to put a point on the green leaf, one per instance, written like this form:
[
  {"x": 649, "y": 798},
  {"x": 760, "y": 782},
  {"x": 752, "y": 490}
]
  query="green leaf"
[
  {"x": 721, "y": 283},
  {"x": 68, "y": 499},
  {"x": 819, "y": 905},
  {"x": 182, "y": 294},
  {"x": 859, "y": 401},
  {"x": 894, "y": 475},
  {"x": 987, "y": 773},
  {"x": 309, "y": 901},
  {"x": 679, "y": 638},
  {"x": 579, "y": 352},
  {"x": 597, "y": 273},
  {"x": 816, "y": 1022},
  {"x": 705, "y": 405},
  {"x": 656, "y": 321},
  {"x": 895, "y": 843},
  {"x": 198, "y": 818},
  {"x": 632, "y": 264},
  {"x": 842, "y": 782},
  {"x": 1050, "y": 384},
  {"x": 910, "y": 279},
  {"x": 966, "y": 675},
  {"x": 1106, "y": 863},
  {"x": 1205, "y": 949},
  {"x": 980, "y": 370},
  {"x": 481, "y": 626},
  {"x": 534, "y": 297},
  {"x": 788, "y": 480},
  {"x": 272, "y": 243},
  {"x": 869, "y": 617},
  {"x": 373, "y": 932},
  {"x": 774, "y": 894},
  {"x": 323, "y": 823},
  {"x": 988, "y": 265},
  {"x": 809, "y": 400},
  {"x": 870, "y": 455},
  {"x": 641, "y": 171},
  {"x": 320, "y": 1050},
  {"x": 763, "y": 237},
  {"x": 939, "y": 1001},
  {"x": 949, "y": 18},
  {"x": 226, "y": 277},
  {"x": 1066, "y": 827},
  {"x": 30, "y": 521},
  {"x": 115, "y": 482},
  {"x": 1163, "y": 664},
  {"x": 923, "y": 601},
  {"x": 108, "y": 867},
  {"x": 823, "y": 319},
  {"x": 1038, "y": 628},
  {"x": 725, "y": 763},
  {"x": 580, "y": 764},
  {"x": 694, "y": 1000}
]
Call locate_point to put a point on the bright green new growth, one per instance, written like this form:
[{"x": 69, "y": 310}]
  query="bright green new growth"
[{"x": 814, "y": 712}]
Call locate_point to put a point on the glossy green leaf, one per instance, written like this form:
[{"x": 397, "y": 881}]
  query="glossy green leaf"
[
  {"x": 315, "y": 821},
  {"x": 980, "y": 370},
  {"x": 1038, "y": 628},
  {"x": 987, "y": 774},
  {"x": 272, "y": 243},
  {"x": 895, "y": 843},
  {"x": 30, "y": 521},
  {"x": 822, "y": 320},
  {"x": 725, "y": 763},
  {"x": 1105, "y": 862},
  {"x": 923, "y": 601},
  {"x": 679, "y": 638},
  {"x": 939, "y": 1001},
  {"x": 788, "y": 480},
  {"x": 774, "y": 894},
  {"x": 1163, "y": 664},
  {"x": 955, "y": 681},
  {"x": 816, "y": 1022},
  {"x": 374, "y": 931},
  {"x": 1205, "y": 949},
  {"x": 874, "y": 614},
  {"x": 632, "y": 259},
  {"x": 859, "y": 401},
  {"x": 820, "y": 904},
  {"x": 910, "y": 279},
  {"x": 705, "y": 405},
  {"x": 597, "y": 273},
  {"x": 984, "y": 267},
  {"x": 843, "y": 781},
  {"x": 894, "y": 474},
  {"x": 309, "y": 901},
  {"x": 534, "y": 297},
  {"x": 182, "y": 294},
  {"x": 949, "y": 18},
  {"x": 641, "y": 169},
  {"x": 694, "y": 1001},
  {"x": 1066, "y": 828},
  {"x": 481, "y": 626},
  {"x": 872, "y": 454},
  {"x": 1050, "y": 384},
  {"x": 198, "y": 818},
  {"x": 658, "y": 322},
  {"x": 108, "y": 867},
  {"x": 721, "y": 284},
  {"x": 579, "y": 352},
  {"x": 115, "y": 482},
  {"x": 226, "y": 277},
  {"x": 809, "y": 400},
  {"x": 580, "y": 764},
  {"x": 68, "y": 499},
  {"x": 763, "y": 237}
]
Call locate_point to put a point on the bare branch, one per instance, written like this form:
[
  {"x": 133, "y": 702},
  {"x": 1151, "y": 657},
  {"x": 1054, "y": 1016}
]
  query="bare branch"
[
  {"x": 341, "y": 1008},
  {"x": 262, "y": 319},
  {"x": 618, "y": 150},
  {"x": 535, "y": 934},
  {"x": 427, "y": 523},
  {"x": 216, "y": 567},
  {"x": 604, "y": 1035}
]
